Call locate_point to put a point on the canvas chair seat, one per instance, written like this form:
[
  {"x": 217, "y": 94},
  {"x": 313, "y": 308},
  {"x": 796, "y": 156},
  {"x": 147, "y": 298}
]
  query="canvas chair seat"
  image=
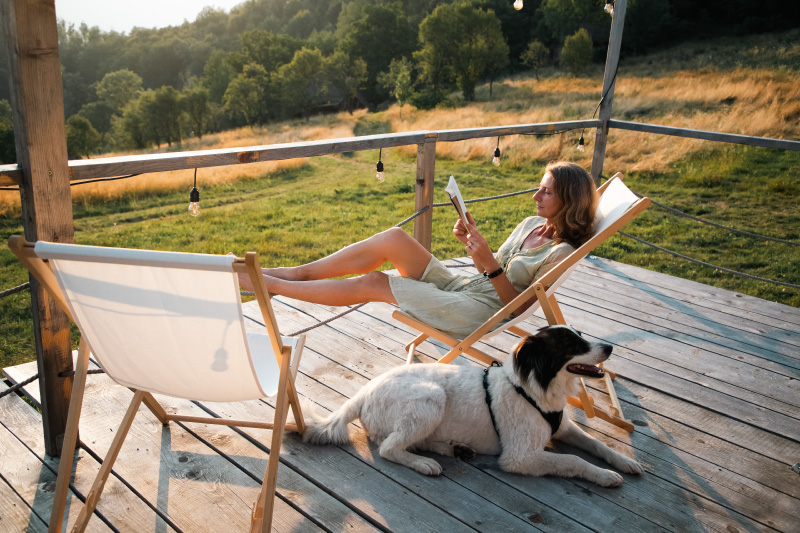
[
  {"x": 166, "y": 323},
  {"x": 616, "y": 207}
]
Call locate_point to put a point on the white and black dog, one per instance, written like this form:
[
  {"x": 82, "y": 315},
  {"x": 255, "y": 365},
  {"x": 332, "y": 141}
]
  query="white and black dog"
[{"x": 511, "y": 411}]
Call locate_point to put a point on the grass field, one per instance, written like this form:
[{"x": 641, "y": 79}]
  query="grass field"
[{"x": 297, "y": 211}]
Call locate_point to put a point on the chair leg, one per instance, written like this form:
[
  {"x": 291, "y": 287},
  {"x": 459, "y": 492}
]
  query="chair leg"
[
  {"x": 411, "y": 347},
  {"x": 105, "y": 469},
  {"x": 261, "y": 521},
  {"x": 70, "y": 439}
]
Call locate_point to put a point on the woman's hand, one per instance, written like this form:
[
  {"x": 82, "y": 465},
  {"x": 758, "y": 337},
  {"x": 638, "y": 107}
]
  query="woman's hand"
[
  {"x": 460, "y": 231},
  {"x": 478, "y": 249}
]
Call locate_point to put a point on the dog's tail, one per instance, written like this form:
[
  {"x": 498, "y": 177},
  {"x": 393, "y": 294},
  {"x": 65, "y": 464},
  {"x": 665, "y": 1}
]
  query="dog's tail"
[{"x": 333, "y": 428}]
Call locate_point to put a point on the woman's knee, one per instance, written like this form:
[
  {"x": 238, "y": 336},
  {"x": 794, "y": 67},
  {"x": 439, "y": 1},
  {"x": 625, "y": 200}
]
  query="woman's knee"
[{"x": 378, "y": 286}]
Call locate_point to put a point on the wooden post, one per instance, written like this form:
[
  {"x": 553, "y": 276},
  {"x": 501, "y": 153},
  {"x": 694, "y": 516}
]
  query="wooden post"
[
  {"x": 426, "y": 164},
  {"x": 609, "y": 79},
  {"x": 38, "y": 110}
]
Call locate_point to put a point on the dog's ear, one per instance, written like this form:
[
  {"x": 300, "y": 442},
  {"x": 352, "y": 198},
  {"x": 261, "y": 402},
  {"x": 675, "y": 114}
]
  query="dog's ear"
[{"x": 535, "y": 355}]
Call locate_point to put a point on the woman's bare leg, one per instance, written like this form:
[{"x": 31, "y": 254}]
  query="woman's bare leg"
[
  {"x": 393, "y": 245},
  {"x": 372, "y": 287}
]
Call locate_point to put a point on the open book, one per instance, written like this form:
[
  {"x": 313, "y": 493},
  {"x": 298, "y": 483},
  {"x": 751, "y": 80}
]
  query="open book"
[{"x": 455, "y": 197}]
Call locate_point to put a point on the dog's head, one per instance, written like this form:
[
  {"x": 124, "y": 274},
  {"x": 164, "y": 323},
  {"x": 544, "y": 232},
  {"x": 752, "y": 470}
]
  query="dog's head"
[{"x": 556, "y": 349}]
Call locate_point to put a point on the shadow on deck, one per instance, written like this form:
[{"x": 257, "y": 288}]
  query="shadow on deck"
[{"x": 708, "y": 377}]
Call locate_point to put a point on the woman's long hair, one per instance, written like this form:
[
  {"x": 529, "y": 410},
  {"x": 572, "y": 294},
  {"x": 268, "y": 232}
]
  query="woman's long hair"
[{"x": 575, "y": 188}]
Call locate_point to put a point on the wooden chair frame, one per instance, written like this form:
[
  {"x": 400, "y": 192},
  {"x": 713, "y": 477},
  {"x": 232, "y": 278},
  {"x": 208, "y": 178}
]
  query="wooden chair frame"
[
  {"x": 543, "y": 289},
  {"x": 261, "y": 520}
]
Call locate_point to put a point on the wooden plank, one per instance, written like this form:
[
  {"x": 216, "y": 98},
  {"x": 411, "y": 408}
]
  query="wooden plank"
[
  {"x": 38, "y": 110},
  {"x": 731, "y": 138},
  {"x": 564, "y": 492},
  {"x": 32, "y": 474},
  {"x": 757, "y": 338},
  {"x": 690, "y": 357},
  {"x": 170, "y": 468},
  {"x": 690, "y": 448},
  {"x": 741, "y": 305},
  {"x": 15, "y": 514},
  {"x": 609, "y": 79},
  {"x": 724, "y": 357}
]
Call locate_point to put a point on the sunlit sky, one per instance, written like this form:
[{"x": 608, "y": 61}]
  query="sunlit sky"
[{"x": 122, "y": 16}]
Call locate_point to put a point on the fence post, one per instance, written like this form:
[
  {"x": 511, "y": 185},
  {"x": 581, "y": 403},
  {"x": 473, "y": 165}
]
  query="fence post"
[
  {"x": 609, "y": 79},
  {"x": 38, "y": 110},
  {"x": 426, "y": 164}
]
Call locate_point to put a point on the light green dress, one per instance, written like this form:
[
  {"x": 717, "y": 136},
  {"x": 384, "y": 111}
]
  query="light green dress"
[{"x": 457, "y": 304}]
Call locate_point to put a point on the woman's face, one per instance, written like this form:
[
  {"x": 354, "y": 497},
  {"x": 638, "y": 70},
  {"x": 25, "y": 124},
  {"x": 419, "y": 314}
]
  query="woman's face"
[{"x": 548, "y": 204}]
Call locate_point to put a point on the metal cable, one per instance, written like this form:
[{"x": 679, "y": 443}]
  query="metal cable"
[
  {"x": 734, "y": 230},
  {"x": 676, "y": 254},
  {"x": 18, "y": 288}
]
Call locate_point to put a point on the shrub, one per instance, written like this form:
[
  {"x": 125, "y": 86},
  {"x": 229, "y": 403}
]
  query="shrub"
[{"x": 577, "y": 52}]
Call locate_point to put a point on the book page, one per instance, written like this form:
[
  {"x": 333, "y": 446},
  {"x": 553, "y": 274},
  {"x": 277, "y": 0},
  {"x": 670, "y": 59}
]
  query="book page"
[{"x": 455, "y": 197}]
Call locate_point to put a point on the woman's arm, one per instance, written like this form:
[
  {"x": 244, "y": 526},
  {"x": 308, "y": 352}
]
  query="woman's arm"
[{"x": 485, "y": 261}]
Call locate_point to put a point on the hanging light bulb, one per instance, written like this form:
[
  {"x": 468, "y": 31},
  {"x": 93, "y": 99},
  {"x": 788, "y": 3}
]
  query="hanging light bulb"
[
  {"x": 379, "y": 168},
  {"x": 194, "y": 198},
  {"x": 581, "y": 147},
  {"x": 610, "y": 7},
  {"x": 517, "y": 4},
  {"x": 496, "y": 158}
]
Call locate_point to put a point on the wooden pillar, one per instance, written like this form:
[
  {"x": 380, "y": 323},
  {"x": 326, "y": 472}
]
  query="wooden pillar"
[
  {"x": 426, "y": 164},
  {"x": 38, "y": 109},
  {"x": 609, "y": 79}
]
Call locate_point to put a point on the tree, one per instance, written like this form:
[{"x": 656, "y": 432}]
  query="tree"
[
  {"x": 217, "y": 74},
  {"x": 195, "y": 103},
  {"x": 577, "y": 52},
  {"x": 295, "y": 82},
  {"x": 246, "y": 94},
  {"x": 82, "y": 138},
  {"x": 268, "y": 49},
  {"x": 536, "y": 55},
  {"x": 118, "y": 88},
  {"x": 565, "y": 17},
  {"x": 345, "y": 75},
  {"x": 399, "y": 80},
  {"x": 463, "y": 43},
  {"x": 380, "y": 34}
]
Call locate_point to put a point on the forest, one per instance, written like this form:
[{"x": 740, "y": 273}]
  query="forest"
[{"x": 270, "y": 60}]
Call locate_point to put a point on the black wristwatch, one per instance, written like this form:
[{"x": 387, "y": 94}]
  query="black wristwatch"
[{"x": 494, "y": 274}]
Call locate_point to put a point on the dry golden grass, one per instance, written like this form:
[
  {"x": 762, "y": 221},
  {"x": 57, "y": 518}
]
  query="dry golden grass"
[
  {"x": 315, "y": 129},
  {"x": 748, "y": 101},
  {"x": 760, "y": 103}
]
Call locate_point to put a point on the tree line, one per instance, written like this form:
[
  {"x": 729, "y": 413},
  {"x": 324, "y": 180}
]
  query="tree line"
[{"x": 270, "y": 60}]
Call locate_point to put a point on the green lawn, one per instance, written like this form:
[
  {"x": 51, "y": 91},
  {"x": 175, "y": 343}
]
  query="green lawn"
[{"x": 300, "y": 215}]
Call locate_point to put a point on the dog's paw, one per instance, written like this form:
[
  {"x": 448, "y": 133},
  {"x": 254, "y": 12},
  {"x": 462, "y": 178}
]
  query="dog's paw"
[
  {"x": 426, "y": 466},
  {"x": 608, "y": 478},
  {"x": 629, "y": 466},
  {"x": 464, "y": 453}
]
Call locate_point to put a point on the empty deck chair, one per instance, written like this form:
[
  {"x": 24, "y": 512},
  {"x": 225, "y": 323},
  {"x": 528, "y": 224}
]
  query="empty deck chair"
[
  {"x": 166, "y": 323},
  {"x": 617, "y": 206}
]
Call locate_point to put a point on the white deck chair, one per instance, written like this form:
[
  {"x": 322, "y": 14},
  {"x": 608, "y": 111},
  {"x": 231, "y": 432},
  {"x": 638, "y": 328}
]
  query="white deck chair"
[
  {"x": 617, "y": 206},
  {"x": 166, "y": 323}
]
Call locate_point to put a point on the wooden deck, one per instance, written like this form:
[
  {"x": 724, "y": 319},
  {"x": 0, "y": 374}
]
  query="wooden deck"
[{"x": 710, "y": 378}]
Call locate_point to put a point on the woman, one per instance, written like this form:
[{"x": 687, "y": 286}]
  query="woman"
[{"x": 427, "y": 290}]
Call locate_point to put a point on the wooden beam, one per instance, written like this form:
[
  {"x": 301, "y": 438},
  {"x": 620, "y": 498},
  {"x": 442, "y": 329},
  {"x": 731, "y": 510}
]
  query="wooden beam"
[
  {"x": 38, "y": 111},
  {"x": 609, "y": 79},
  {"x": 426, "y": 166},
  {"x": 764, "y": 142},
  {"x": 104, "y": 167}
]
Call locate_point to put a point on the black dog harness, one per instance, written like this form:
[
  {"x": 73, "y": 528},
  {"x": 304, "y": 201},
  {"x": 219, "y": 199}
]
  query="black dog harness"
[{"x": 553, "y": 418}]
